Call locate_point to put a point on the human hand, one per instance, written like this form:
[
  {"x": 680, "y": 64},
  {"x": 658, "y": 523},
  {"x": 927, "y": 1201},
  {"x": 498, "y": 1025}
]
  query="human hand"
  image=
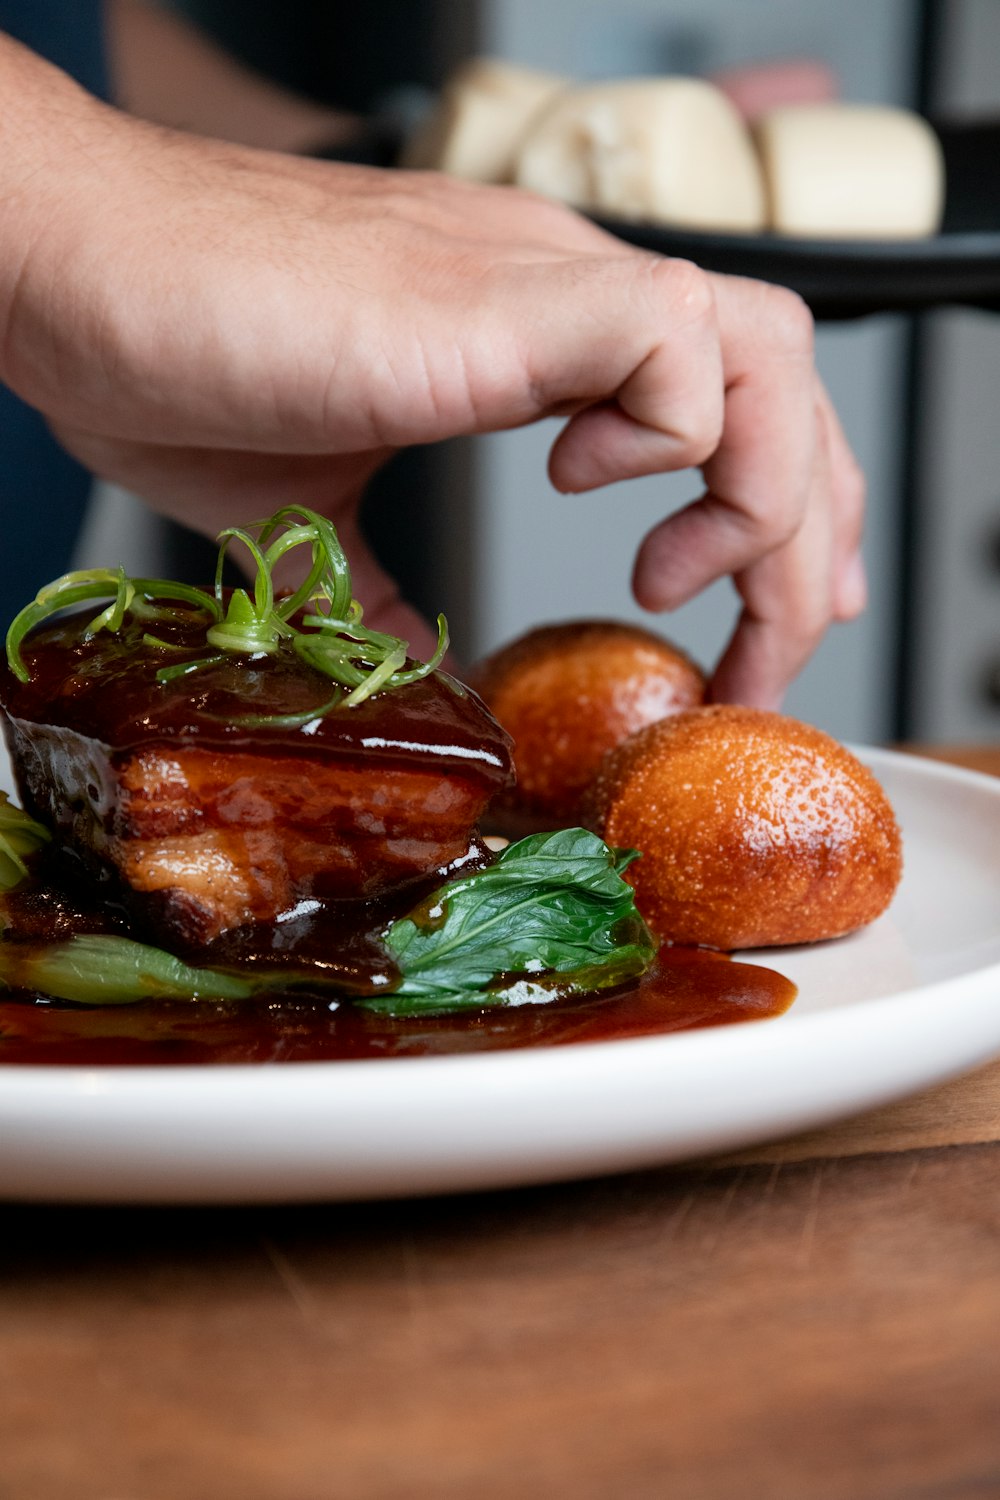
[{"x": 223, "y": 331}]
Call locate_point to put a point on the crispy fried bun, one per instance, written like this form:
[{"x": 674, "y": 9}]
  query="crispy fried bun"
[
  {"x": 755, "y": 829},
  {"x": 568, "y": 693}
]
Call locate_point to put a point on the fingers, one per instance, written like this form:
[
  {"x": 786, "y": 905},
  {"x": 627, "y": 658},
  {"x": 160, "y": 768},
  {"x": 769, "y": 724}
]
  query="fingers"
[
  {"x": 668, "y": 412},
  {"x": 783, "y": 505},
  {"x": 850, "y": 588},
  {"x": 791, "y": 594},
  {"x": 727, "y": 382},
  {"x": 759, "y": 475}
]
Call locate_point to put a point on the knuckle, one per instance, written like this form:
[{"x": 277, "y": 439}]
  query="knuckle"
[
  {"x": 789, "y": 321},
  {"x": 778, "y": 528},
  {"x": 686, "y": 285},
  {"x": 698, "y": 433},
  {"x": 772, "y": 520}
]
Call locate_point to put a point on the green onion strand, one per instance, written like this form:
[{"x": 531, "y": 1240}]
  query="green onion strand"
[{"x": 328, "y": 634}]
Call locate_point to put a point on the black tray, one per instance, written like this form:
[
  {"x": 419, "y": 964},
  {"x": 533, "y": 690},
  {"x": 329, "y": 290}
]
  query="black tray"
[{"x": 844, "y": 278}]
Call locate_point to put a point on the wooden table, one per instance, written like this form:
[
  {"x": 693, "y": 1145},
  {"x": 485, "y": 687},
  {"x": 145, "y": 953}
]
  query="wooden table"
[{"x": 818, "y": 1320}]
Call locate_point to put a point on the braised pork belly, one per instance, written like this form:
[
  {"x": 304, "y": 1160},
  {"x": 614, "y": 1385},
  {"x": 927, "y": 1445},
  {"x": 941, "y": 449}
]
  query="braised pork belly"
[{"x": 220, "y": 799}]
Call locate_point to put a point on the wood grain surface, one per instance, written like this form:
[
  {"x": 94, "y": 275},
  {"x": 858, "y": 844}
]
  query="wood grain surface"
[{"x": 814, "y": 1320}]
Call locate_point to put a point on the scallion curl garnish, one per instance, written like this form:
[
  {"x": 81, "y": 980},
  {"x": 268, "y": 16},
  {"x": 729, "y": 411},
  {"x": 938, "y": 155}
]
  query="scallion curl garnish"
[
  {"x": 329, "y": 634},
  {"x": 128, "y": 596}
]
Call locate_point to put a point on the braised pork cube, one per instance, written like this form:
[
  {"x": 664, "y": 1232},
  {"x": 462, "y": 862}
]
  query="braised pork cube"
[{"x": 220, "y": 799}]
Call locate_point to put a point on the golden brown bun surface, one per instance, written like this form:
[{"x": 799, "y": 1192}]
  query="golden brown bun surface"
[
  {"x": 756, "y": 830},
  {"x": 568, "y": 693}
]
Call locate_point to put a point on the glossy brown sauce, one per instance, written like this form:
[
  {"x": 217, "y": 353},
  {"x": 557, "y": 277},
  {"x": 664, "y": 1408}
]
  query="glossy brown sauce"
[
  {"x": 438, "y": 719},
  {"x": 686, "y": 989},
  {"x": 104, "y": 687}
]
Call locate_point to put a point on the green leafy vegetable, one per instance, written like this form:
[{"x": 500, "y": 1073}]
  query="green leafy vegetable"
[
  {"x": 552, "y": 912},
  {"x": 551, "y": 916},
  {"x": 329, "y": 636},
  {"x": 99, "y": 969},
  {"x": 20, "y": 836}
]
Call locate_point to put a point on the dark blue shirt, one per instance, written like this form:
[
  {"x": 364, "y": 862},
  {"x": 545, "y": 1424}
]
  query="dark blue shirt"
[{"x": 42, "y": 490}]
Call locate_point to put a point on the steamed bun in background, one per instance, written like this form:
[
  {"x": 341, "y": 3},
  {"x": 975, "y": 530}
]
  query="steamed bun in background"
[{"x": 677, "y": 151}]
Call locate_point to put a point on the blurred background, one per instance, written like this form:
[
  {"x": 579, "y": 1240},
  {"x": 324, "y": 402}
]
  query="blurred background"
[{"x": 474, "y": 528}]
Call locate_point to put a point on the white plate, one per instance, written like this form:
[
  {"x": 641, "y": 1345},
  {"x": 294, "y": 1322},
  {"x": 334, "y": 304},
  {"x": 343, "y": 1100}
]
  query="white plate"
[{"x": 910, "y": 1001}]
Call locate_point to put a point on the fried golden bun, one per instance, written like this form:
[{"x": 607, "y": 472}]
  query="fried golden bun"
[
  {"x": 567, "y": 693},
  {"x": 755, "y": 829}
]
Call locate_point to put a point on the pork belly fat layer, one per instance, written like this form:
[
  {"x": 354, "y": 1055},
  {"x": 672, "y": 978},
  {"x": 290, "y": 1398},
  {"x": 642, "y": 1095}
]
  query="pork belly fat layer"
[{"x": 208, "y": 840}]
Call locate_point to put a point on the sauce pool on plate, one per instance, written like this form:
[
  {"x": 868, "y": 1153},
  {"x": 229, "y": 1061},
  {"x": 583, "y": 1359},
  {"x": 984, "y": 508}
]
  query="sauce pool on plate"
[{"x": 685, "y": 989}]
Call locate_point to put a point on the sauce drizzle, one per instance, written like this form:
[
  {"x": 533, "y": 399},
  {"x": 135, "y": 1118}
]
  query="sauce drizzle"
[{"x": 685, "y": 989}]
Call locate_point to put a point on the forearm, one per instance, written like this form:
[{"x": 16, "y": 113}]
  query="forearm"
[
  {"x": 166, "y": 70},
  {"x": 44, "y": 115},
  {"x": 51, "y": 130}
]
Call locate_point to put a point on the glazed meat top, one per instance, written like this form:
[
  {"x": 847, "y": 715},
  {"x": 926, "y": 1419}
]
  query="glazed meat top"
[{"x": 104, "y": 686}]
